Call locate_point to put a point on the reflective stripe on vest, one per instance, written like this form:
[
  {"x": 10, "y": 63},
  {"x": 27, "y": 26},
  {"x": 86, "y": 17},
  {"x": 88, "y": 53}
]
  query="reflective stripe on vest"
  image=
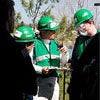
[{"x": 47, "y": 58}]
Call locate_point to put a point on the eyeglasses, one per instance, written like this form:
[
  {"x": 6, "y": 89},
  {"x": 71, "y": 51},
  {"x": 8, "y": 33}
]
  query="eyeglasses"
[{"x": 81, "y": 27}]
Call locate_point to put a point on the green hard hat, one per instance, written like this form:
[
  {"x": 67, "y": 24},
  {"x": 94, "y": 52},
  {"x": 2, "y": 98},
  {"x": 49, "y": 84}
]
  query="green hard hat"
[
  {"x": 24, "y": 34},
  {"x": 81, "y": 16},
  {"x": 47, "y": 23}
]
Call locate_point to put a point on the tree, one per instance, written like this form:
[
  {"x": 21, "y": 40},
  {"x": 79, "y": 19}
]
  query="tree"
[
  {"x": 69, "y": 7},
  {"x": 17, "y": 20},
  {"x": 60, "y": 32},
  {"x": 35, "y": 8}
]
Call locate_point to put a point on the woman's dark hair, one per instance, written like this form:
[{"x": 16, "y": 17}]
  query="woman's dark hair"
[
  {"x": 6, "y": 3},
  {"x": 5, "y": 7}
]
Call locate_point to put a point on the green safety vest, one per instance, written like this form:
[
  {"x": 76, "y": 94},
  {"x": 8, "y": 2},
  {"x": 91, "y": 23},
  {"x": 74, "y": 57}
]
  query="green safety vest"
[
  {"x": 47, "y": 58},
  {"x": 98, "y": 31},
  {"x": 81, "y": 46}
]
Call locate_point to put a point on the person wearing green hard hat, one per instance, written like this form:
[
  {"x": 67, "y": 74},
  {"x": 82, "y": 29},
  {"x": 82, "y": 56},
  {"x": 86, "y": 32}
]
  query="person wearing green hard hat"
[
  {"x": 81, "y": 16},
  {"x": 82, "y": 85},
  {"x": 47, "y": 23},
  {"x": 49, "y": 53},
  {"x": 25, "y": 36}
]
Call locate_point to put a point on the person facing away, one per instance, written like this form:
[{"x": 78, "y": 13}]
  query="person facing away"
[
  {"x": 16, "y": 70},
  {"x": 48, "y": 54},
  {"x": 25, "y": 36},
  {"x": 85, "y": 25}
]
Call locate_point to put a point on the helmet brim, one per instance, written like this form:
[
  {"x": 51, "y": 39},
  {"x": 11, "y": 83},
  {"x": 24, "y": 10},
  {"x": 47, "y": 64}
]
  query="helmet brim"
[{"x": 52, "y": 29}]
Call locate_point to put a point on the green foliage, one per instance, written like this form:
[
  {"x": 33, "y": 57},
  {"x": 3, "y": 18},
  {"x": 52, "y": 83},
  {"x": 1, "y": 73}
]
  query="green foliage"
[
  {"x": 34, "y": 9},
  {"x": 17, "y": 20},
  {"x": 24, "y": 3},
  {"x": 64, "y": 80},
  {"x": 66, "y": 31},
  {"x": 63, "y": 90},
  {"x": 62, "y": 24}
]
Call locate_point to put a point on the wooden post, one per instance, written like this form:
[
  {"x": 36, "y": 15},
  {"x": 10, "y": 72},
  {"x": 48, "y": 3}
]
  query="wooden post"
[{"x": 64, "y": 82}]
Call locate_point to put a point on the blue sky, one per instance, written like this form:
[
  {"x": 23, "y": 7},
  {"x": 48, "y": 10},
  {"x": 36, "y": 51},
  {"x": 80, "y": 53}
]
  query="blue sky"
[
  {"x": 57, "y": 11},
  {"x": 19, "y": 8}
]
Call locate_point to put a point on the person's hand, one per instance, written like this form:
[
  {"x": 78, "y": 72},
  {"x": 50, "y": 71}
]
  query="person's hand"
[
  {"x": 45, "y": 70},
  {"x": 62, "y": 48}
]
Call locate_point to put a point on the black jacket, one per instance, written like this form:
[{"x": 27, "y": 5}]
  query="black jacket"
[
  {"x": 17, "y": 75},
  {"x": 84, "y": 84},
  {"x": 77, "y": 51},
  {"x": 89, "y": 69}
]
